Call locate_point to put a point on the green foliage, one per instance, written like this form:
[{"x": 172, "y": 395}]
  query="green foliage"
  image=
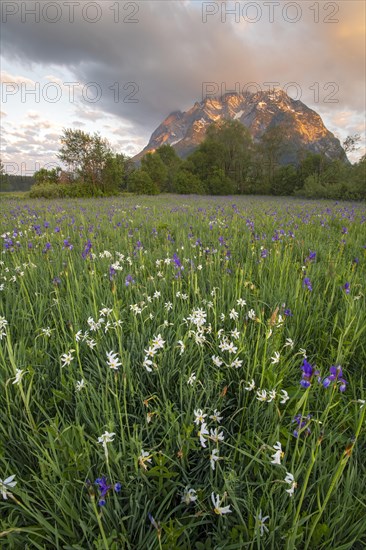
[
  {"x": 60, "y": 190},
  {"x": 172, "y": 163},
  {"x": 85, "y": 154},
  {"x": 187, "y": 183},
  {"x": 139, "y": 182},
  {"x": 44, "y": 176},
  {"x": 153, "y": 165}
]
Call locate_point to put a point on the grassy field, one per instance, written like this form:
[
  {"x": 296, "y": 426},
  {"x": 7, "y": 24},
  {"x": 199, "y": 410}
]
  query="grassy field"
[{"x": 182, "y": 373}]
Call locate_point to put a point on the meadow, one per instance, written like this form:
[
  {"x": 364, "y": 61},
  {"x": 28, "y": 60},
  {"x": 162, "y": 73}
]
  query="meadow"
[{"x": 182, "y": 373}]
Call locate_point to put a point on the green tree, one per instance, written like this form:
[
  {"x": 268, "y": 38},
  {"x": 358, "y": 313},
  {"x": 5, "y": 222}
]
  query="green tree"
[
  {"x": 172, "y": 163},
  {"x": 85, "y": 154},
  {"x": 187, "y": 183},
  {"x": 112, "y": 178},
  {"x": 44, "y": 176},
  {"x": 4, "y": 180},
  {"x": 140, "y": 182},
  {"x": 153, "y": 165}
]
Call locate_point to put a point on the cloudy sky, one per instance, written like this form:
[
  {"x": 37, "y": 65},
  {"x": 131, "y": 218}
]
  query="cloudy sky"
[{"x": 120, "y": 67}]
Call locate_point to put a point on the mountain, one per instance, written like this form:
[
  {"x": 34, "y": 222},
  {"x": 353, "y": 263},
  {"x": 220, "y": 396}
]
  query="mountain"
[{"x": 258, "y": 111}]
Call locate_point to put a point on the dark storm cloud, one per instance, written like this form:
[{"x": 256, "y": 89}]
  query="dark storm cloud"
[{"x": 170, "y": 52}]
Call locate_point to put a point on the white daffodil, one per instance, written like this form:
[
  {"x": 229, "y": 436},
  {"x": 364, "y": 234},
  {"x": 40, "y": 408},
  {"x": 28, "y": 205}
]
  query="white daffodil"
[
  {"x": 105, "y": 438},
  {"x": 216, "y": 361},
  {"x": 260, "y": 521},
  {"x": 189, "y": 496},
  {"x": 147, "y": 364},
  {"x": 275, "y": 358},
  {"x": 271, "y": 395},
  {"x": 66, "y": 358},
  {"x": 216, "y": 436},
  {"x": 362, "y": 401},
  {"x": 144, "y": 458},
  {"x": 216, "y": 416},
  {"x": 8, "y": 482},
  {"x": 19, "y": 373},
  {"x": 250, "y": 386},
  {"x": 291, "y": 481},
  {"x": 80, "y": 385},
  {"x": 284, "y": 396},
  {"x": 200, "y": 417},
  {"x": 113, "y": 360},
  {"x": 237, "y": 363},
  {"x": 182, "y": 346},
  {"x": 202, "y": 433},
  {"x": 262, "y": 395},
  {"x": 214, "y": 457},
  {"x": 233, "y": 314},
  {"x": 218, "y": 509},
  {"x": 158, "y": 342},
  {"x": 241, "y": 302},
  {"x": 289, "y": 343},
  {"x": 278, "y": 454},
  {"x": 191, "y": 380}
]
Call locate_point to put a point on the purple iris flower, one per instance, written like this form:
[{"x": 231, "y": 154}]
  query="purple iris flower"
[
  {"x": 302, "y": 422},
  {"x": 288, "y": 312},
  {"x": 67, "y": 244},
  {"x": 311, "y": 257},
  {"x": 129, "y": 280},
  {"x": 307, "y": 374},
  {"x": 344, "y": 230},
  {"x": 346, "y": 288},
  {"x": 335, "y": 375},
  {"x": 112, "y": 273},
  {"x": 306, "y": 282},
  {"x": 104, "y": 489},
  {"x": 87, "y": 250},
  {"x": 264, "y": 253}
]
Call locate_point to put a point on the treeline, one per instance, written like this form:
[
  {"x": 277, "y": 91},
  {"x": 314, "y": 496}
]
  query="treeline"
[
  {"x": 15, "y": 183},
  {"x": 227, "y": 162}
]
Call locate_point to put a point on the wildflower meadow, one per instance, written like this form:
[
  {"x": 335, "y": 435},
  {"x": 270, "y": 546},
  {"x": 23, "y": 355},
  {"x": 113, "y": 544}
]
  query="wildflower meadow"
[{"x": 182, "y": 373}]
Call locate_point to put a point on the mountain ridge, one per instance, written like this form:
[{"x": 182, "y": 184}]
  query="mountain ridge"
[{"x": 259, "y": 111}]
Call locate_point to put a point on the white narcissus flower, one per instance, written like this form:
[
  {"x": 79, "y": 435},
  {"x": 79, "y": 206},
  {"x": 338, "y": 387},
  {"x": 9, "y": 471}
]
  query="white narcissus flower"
[
  {"x": 216, "y": 416},
  {"x": 251, "y": 386},
  {"x": 189, "y": 496},
  {"x": 8, "y": 482},
  {"x": 80, "y": 385},
  {"x": 202, "y": 433},
  {"x": 284, "y": 396},
  {"x": 278, "y": 454},
  {"x": 191, "y": 380},
  {"x": 276, "y": 358},
  {"x": 216, "y": 436},
  {"x": 291, "y": 481},
  {"x": 218, "y": 509},
  {"x": 214, "y": 456},
  {"x": 158, "y": 342},
  {"x": 19, "y": 373},
  {"x": 113, "y": 360},
  {"x": 144, "y": 458},
  {"x": 262, "y": 395},
  {"x": 105, "y": 438},
  {"x": 261, "y": 520},
  {"x": 182, "y": 346},
  {"x": 216, "y": 361},
  {"x": 66, "y": 358},
  {"x": 200, "y": 417}
]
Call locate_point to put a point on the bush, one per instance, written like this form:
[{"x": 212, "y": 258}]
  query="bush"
[
  {"x": 141, "y": 183},
  {"x": 186, "y": 183}
]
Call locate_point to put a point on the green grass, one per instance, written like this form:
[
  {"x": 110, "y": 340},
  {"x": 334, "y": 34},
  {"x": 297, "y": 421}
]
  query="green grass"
[{"x": 237, "y": 248}]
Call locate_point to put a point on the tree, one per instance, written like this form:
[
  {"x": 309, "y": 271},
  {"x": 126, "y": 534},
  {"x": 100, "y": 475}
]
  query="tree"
[
  {"x": 272, "y": 147},
  {"x": 85, "y": 154},
  {"x": 172, "y": 163},
  {"x": 351, "y": 143},
  {"x": 112, "y": 179},
  {"x": 44, "y": 176},
  {"x": 187, "y": 183},
  {"x": 4, "y": 180},
  {"x": 152, "y": 164},
  {"x": 140, "y": 182}
]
